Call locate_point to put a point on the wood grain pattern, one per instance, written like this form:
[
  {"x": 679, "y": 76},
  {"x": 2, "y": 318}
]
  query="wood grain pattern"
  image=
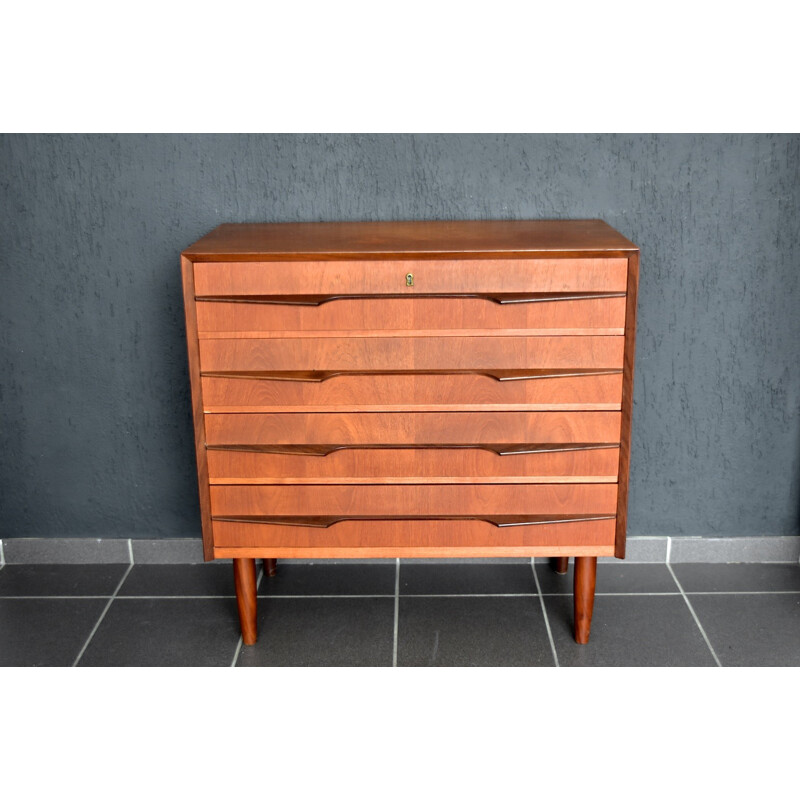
[
  {"x": 494, "y": 278},
  {"x": 197, "y": 407},
  {"x": 436, "y": 551},
  {"x": 585, "y": 579},
  {"x": 378, "y": 315},
  {"x": 414, "y": 465},
  {"x": 418, "y": 392},
  {"x": 415, "y": 239},
  {"x": 244, "y": 574},
  {"x": 414, "y": 428},
  {"x": 419, "y": 500},
  {"x": 343, "y": 354},
  {"x": 422, "y": 534},
  {"x": 627, "y": 404},
  {"x": 560, "y": 565}
]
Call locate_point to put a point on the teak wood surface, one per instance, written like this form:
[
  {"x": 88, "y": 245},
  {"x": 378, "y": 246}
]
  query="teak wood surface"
[
  {"x": 415, "y": 392},
  {"x": 412, "y": 389},
  {"x": 405, "y": 535},
  {"x": 187, "y": 275},
  {"x": 426, "y": 428},
  {"x": 303, "y": 241},
  {"x": 327, "y": 281},
  {"x": 347, "y": 354},
  {"x": 627, "y": 405},
  {"x": 416, "y": 500},
  {"x": 412, "y": 314},
  {"x": 418, "y": 465}
]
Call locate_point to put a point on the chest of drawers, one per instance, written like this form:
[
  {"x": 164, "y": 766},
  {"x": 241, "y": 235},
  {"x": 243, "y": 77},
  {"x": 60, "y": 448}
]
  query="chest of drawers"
[{"x": 412, "y": 389}]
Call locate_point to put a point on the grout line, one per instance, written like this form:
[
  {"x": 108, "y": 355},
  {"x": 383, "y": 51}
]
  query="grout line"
[
  {"x": 237, "y": 651},
  {"x": 396, "y": 610},
  {"x": 176, "y": 597},
  {"x": 696, "y": 618},
  {"x": 130, "y": 551},
  {"x": 766, "y": 591},
  {"x": 615, "y": 594},
  {"x": 2, "y": 555},
  {"x": 544, "y": 611},
  {"x": 324, "y": 596},
  {"x": 668, "y": 554},
  {"x": 102, "y": 616}
]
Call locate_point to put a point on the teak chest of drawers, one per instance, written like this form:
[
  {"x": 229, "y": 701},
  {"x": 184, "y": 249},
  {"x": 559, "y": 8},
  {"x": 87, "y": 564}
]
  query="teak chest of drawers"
[{"x": 412, "y": 389}]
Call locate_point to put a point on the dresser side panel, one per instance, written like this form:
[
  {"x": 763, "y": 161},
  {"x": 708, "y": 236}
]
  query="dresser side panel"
[
  {"x": 627, "y": 405},
  {"x": 187, "y": 271}
]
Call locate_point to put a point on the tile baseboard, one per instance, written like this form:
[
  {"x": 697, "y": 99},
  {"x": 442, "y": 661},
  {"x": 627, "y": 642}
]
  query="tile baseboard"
[{"x": 640, "y": 550}]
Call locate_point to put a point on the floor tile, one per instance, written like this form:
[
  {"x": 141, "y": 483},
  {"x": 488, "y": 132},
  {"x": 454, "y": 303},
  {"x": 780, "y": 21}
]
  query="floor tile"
[
  {"x": 45, "y": 633},
  {"x": 60, "y": 579},
  {"x": 324, "y": 579},
  {"x": 738, "y": 577},
  {"x": 165, "y": 633},
  {"x": 753, "y": 630},
  {"x": 466, "y": 579},
  {"x": 330, "y": 632},
  {"x": 178, "y": 580},
  {"x": 472, "y": 632},
  {"x": 630, "y": 631},
  {"x": 619, "y": 577}
]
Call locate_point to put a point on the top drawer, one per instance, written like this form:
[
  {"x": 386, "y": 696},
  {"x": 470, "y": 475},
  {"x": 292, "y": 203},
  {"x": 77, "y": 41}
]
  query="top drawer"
[{"x": 500, "y": 280}]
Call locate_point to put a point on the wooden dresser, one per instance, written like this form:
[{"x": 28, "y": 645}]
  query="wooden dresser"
[{"x": 412, "y": 389}]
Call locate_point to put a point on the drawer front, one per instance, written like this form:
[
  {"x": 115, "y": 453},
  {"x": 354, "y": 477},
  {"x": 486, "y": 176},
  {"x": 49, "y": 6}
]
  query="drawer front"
[
  {"x": 530, "y": 356},
  {"x": 471, "y": 408},
  {"x": 433, "y": 536},
  {"x": 371, "y": 316},
  {"x": 414, "y": 428},
  {"x": 500, "y": 503},
  {"x": 321, "y": 280},
  {"x": 392, "y": 465},
  {"x": 414, "y": 393}
]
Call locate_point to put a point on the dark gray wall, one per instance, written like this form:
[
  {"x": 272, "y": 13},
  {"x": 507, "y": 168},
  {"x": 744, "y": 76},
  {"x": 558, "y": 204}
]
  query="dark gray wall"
[{"x": 96, "y": 437}]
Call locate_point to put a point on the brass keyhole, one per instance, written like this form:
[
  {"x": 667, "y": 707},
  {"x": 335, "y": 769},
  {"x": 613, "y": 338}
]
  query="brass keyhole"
[{"x": 410, "y": 279}]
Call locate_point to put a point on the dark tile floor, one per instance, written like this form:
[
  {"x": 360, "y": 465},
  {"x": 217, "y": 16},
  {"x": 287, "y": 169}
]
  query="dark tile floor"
[{"x": 411, "y": 614}]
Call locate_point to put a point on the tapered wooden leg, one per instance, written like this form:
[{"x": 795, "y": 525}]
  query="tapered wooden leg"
[
  {"x": 560, "y": 564},
  {"x": 244, "y": 575},
  {"x": 585, "y": 578},
  {"x": 270, "y": 567}
]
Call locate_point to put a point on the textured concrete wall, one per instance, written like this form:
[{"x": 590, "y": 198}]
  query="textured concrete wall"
[{"x": 96, "y": 437}]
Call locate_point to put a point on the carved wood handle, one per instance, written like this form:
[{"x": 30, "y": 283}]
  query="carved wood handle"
[
  {"x": 504, "y": 449},
  {"x": 502, "y": 298},
  {"x": 499, "y": 521},
  {"x": 320, "y": 375}
]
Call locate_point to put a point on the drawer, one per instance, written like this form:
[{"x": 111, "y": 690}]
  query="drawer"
[
  {"x": 414, "y": 428},
  {"x": 419, "y": 392},
  {"x": 527, "y": 356},
  {"x": 434, "y": 537},
  {"x": 324, "y": 505},
  {"x": 436, "y": 465},
  {"x": 371, "y": 316},
  {"x": 318, "y": 281}
]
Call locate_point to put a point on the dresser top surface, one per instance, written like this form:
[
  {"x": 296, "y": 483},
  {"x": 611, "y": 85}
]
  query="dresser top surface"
[{"x": 429, "y": 239}]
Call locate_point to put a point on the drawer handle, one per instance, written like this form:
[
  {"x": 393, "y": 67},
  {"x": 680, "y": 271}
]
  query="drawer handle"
[
  {"x": 320, "y": 375},
  {"x": 499, "y": 521},
  {"x": 501, "y": 298},
  {"x": 326, "y": 449}
]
